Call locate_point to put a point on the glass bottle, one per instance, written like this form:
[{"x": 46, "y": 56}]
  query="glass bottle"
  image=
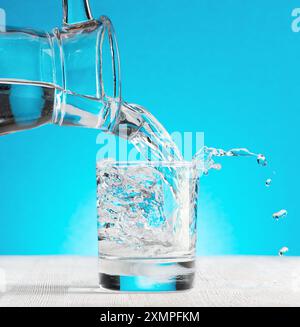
[{"x": 69, "y": 76}]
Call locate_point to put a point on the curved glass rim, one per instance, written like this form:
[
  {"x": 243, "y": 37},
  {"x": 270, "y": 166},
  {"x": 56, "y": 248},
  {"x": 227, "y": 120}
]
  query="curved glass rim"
[{"x": 150, "y": 163}]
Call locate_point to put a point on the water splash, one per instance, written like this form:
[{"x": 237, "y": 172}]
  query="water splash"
[
  {"x": 205, "y": 157},
  {"x": 155, "y": 144},
  {"x": 152, "y": 140},
  {"x": 280, "y": 214},
  {"x": 283, "y": 251},
  {"x": 137, "y": 212}
]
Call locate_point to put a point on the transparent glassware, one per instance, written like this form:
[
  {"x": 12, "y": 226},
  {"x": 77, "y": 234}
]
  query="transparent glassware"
[
  {"x": 69, "y": 76},
  {"x": 146, "y": 233}
]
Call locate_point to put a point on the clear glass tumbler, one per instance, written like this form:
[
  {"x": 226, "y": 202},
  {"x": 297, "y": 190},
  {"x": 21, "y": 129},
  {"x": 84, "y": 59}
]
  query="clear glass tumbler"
[{"x": 147, "y": 213}]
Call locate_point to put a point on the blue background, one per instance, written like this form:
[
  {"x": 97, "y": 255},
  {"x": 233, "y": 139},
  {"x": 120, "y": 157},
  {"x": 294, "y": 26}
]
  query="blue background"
[{"x": 229, "y": 68}]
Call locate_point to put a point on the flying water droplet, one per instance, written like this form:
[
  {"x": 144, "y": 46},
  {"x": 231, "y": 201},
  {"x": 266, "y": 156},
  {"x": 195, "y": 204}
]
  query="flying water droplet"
[
  {"x": 280, "y": 214},
  {"x": 261, "y": 160},
  {"x": 283, "y": 251},
  {"x": 268, "y": 182},
  {"x": 216, "y": 166}
]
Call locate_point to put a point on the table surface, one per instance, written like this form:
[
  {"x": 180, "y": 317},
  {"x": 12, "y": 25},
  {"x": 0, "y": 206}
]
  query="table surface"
[{"x": 221, "y": 281}]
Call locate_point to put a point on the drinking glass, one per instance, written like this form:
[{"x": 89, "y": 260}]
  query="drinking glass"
[{"x": 147, "y": 214}]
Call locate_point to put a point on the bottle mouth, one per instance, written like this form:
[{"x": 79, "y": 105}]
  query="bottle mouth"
[
  {"x": 103, "y": 65},
  {"x": 90, "y": 80}
]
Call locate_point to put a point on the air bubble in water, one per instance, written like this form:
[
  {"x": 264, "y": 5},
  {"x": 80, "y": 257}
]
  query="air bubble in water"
[
  {"x": 283, "y": 251},
  {"x": 268, "y": 182},
  {"x": 280, "y": 214}
]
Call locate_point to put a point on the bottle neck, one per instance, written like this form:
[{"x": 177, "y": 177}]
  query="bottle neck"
[{"x": 76, "y": 12}]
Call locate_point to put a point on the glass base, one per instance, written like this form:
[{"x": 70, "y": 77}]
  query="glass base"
[{"x": 146, "y": 275}]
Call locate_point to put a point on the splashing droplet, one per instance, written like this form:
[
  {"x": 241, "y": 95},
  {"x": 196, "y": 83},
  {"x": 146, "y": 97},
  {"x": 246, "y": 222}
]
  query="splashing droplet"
[
  {"x": 216, "y": 166},
  {"x": 205, "y": 157},
  {"x": 268, "y": 182},
  {"x": 261, "y": 160},
  {"x": 280, "y": 214},
  {"x": 239, "y": 153},
  {"x": 283, "y": 251}
]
